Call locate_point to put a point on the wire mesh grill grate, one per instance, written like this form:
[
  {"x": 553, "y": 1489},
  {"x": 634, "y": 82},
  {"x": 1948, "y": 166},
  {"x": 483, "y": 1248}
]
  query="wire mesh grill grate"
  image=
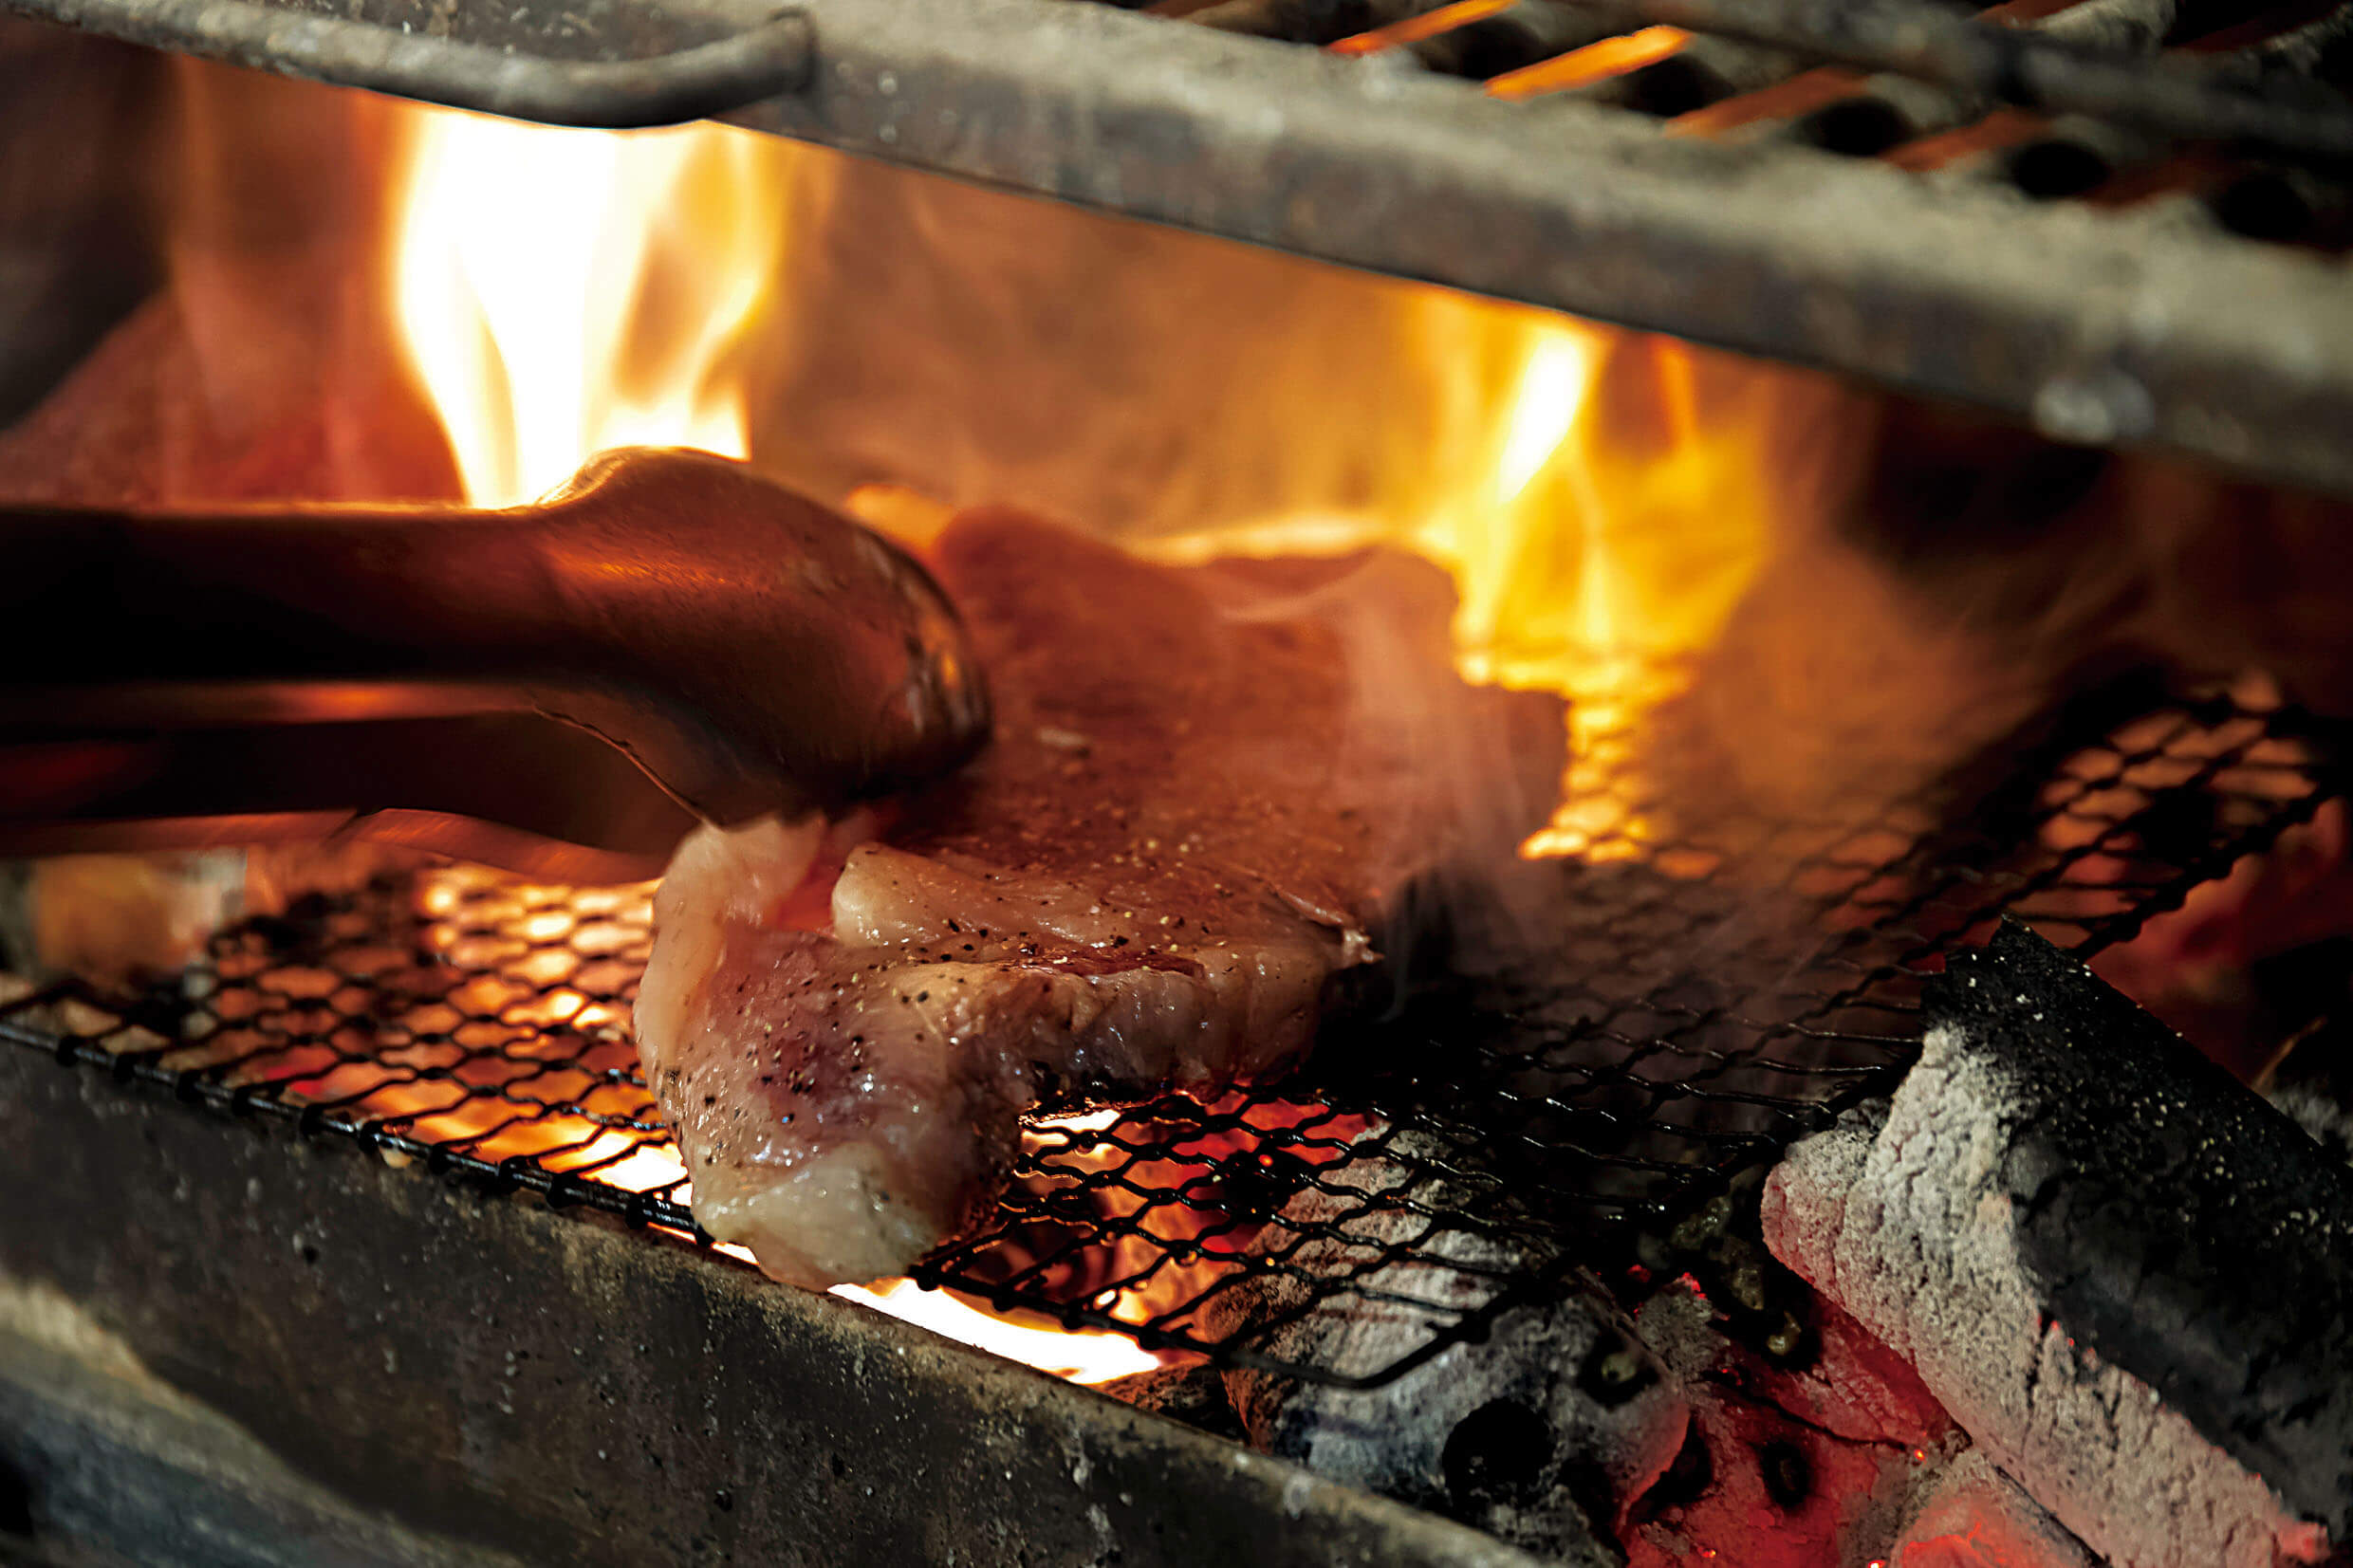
[{"x": 1700, "y": 1002}]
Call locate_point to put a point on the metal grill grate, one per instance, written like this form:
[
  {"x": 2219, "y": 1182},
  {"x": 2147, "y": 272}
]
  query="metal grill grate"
[
  {"x": 2121, "y": 219},
  {"x": 1693, "y": 1015}
]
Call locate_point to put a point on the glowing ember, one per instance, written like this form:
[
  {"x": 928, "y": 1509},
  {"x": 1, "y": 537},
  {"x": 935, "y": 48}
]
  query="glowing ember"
[{"x": 1084, "y": 1356}]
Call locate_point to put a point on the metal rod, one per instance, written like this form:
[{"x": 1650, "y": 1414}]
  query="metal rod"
[
  {"x": 749, "y": 651},
  {"x": 2120, "y": 26},
  {"x": 1529, "y": 32},
  {"x": 2173, "y": 334},
  {"x": 1306, "y": 20},
  {"x": 2015, "y": 66},
  {"x": 761, "y": 61},
  {"x": 2315, "y": 49},
  {"x": 1713, "y": 69},
  {"x": 2136, "y": 27}
]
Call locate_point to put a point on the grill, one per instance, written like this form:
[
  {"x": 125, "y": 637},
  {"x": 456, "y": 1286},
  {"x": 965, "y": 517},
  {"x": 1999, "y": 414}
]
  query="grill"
[
  {"x": 2116, "y": 219},
  {"x": 1575, "y": 1108},
  {"x": 2123, "y": 221}
]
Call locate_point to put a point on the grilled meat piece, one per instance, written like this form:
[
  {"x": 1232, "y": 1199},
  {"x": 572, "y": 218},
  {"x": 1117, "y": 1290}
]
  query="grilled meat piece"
[{"x": 1208, "y": 786}]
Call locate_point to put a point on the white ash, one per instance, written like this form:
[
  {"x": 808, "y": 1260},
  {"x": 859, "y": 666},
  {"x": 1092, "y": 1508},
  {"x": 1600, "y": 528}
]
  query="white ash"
[{"x": 1900, "y": 1215}]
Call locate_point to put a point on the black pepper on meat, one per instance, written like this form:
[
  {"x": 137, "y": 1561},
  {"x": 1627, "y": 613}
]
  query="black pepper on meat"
[{"x": 1283, "y": 742}]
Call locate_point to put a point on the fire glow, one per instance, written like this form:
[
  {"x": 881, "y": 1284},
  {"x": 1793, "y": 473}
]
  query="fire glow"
[
  {"x": 1595, "y": 495},
  {"x": 567, "y": 291}
]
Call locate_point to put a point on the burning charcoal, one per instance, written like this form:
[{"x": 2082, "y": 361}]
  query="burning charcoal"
[
  {"x": 2122, "y": 1273},
  {"x": 1195, "y": 1396},
  {"x": 1550, "y": 1423},
  {"x": 1972, "y": 1516},
  {"x": 1792, "y": 1460}
]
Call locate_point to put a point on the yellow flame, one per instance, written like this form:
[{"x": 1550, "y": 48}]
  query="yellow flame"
[
  {"x": 565, "y": 291},
  {"x": 1086, "y": 1356},
  {"x": 1603, "y": 498}
]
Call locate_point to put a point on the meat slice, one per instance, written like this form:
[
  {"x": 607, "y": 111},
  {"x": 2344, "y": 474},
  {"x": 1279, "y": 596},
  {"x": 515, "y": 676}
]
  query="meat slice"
[{"x": 1207, "y": 789}]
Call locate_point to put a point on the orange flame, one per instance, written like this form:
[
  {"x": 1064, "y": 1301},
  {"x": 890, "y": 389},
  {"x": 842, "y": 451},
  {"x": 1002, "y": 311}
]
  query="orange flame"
[
  {"x": 565, "y": 291},
  {"x": 1601, "y": 499}
]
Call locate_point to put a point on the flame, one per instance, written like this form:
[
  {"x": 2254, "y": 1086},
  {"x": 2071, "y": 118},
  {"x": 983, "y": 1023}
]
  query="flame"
[
  {"x": 561, "y": 292},
  {"x": 565, "y": 291},
  {"x": 1608, "y": 499},
  {"x": 1600, "y": 498},
  {"x": 1082, "y": 1356}
]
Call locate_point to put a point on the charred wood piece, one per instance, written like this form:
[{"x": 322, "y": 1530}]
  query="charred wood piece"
[{"x": 2121, "y": 1272}]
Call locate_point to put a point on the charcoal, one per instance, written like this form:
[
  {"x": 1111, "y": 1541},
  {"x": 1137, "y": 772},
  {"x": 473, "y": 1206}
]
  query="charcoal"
[
  {"x": 2325, "y": 1118},
  {"x": 1794, "y": 1459},
  {"x": 1194, "y": 1394},
  {"x": 2120, "y": 1271},
  {"x": 1968, "y": 1512},
  {"x": 1549, "y": 1425}
]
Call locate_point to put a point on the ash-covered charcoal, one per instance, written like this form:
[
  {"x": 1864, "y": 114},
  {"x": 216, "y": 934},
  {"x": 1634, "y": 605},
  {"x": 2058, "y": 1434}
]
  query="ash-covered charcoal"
[
  {"x": 2121, "y": 1272},
  {"x": 1968, "y": 1514},
  {"x": 1542, "y": 1430}
]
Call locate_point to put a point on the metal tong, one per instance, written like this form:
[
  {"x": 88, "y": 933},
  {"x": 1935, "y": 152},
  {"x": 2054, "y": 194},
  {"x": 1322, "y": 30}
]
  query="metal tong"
[{"x": 563, "y": 689}]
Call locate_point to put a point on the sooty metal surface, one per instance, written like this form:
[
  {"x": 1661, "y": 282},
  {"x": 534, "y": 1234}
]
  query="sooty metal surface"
[
  {"x": 2114, "y": 218},
  {"x": 537, "y": 1389},
  {"x": 1696, "y": 1003}
]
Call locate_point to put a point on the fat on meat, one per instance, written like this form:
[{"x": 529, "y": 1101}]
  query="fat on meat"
[{"x": 1207, "y": 790}]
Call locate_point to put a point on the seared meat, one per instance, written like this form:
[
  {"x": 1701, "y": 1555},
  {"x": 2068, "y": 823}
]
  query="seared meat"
[{"x": 1207, "y": 786}]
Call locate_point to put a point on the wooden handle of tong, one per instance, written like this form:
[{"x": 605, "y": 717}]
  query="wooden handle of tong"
[{"x": 503, "y": 684}]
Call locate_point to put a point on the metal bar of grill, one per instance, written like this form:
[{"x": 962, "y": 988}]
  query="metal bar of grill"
[
  {"x": 1690, "y": 1019},
  {"x": 2017, "y": 67},
  {"x": 2187, "y": 323}
]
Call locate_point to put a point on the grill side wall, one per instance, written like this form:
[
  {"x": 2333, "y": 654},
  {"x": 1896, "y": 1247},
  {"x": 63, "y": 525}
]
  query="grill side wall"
[{"x": 556, "y": 1388}]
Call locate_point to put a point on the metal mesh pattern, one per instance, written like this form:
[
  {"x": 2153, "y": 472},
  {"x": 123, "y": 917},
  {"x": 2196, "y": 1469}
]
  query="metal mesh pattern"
[
  {"x": 1700, "y": 1001},
  {"x": 2102, "y": 121}
]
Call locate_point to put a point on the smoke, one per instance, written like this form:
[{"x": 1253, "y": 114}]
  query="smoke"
[
  {"x": 1136, "y": 380},
  {"x": 1977, "y": 585},
  {"x": 1462, "y": 774}
]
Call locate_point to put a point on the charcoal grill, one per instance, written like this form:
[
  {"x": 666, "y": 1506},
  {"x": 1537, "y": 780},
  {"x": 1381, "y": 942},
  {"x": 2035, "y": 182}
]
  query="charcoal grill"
[
  {"x": 2122, "y": 221},
  {"x": 2117, "y": 220},
  {"x": 477, "y": 1026}
]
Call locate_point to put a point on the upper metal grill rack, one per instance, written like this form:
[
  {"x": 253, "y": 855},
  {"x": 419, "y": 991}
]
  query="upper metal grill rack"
[
  {"x": 2116, "y": 218},
  {"x": 1689, "y": 1022}
]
